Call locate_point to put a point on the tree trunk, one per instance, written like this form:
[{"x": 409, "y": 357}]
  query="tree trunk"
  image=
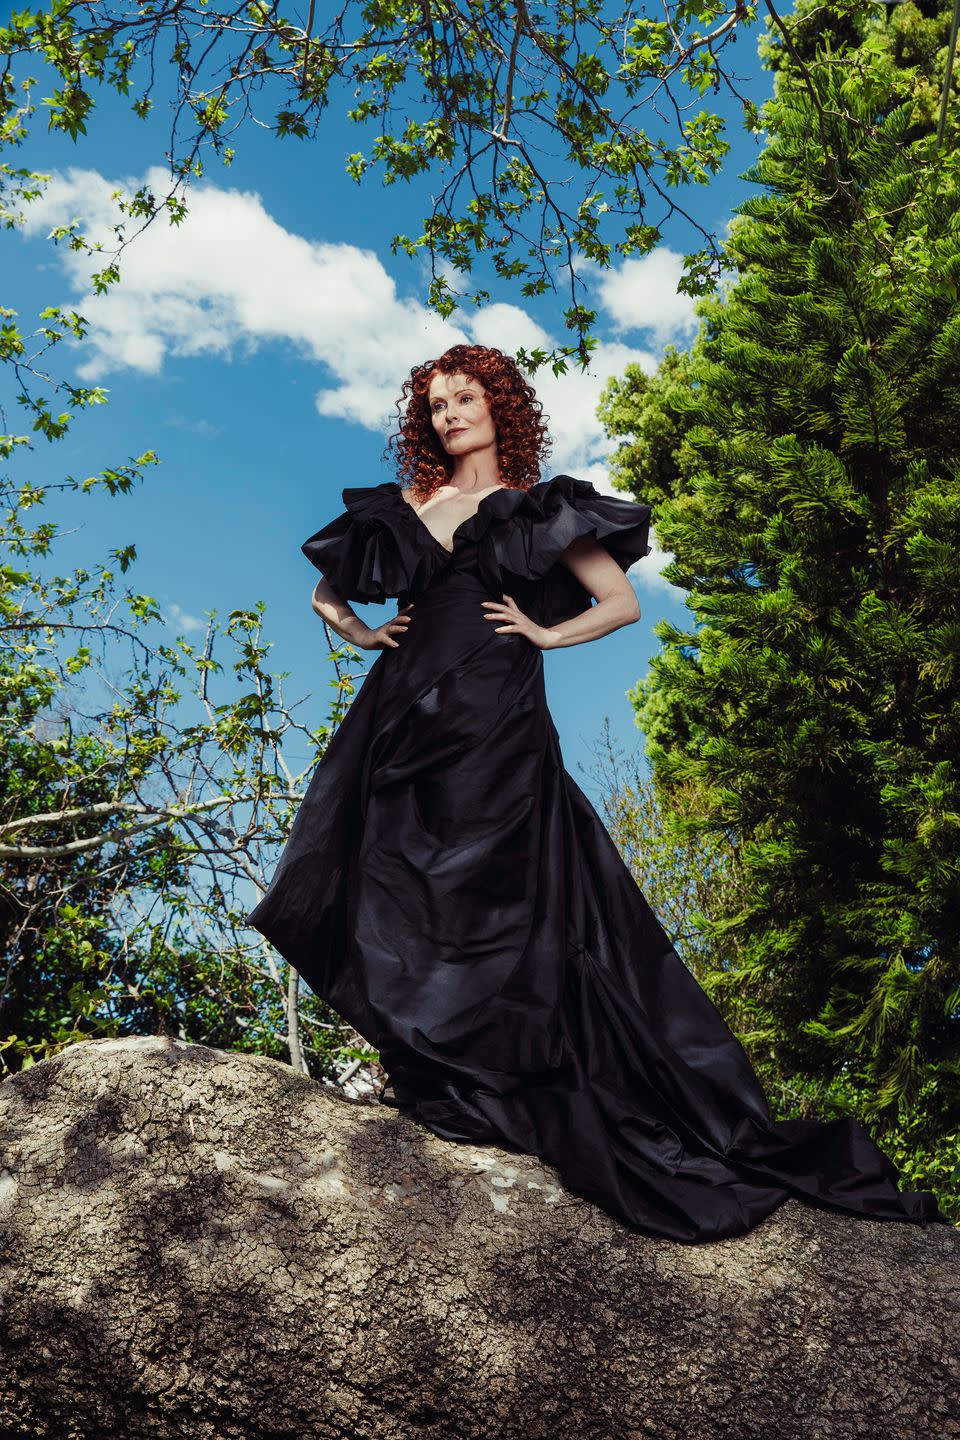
[{"x": 205, "y": 1244}]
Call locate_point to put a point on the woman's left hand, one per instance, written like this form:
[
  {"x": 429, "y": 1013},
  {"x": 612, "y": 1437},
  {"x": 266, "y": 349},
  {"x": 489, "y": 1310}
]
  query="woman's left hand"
[{"x": 514, "y": 622}]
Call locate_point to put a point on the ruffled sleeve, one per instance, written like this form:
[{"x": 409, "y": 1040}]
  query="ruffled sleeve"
[
  {"x": 362, "y": 554},
  {"x": 551, "y": 515}
]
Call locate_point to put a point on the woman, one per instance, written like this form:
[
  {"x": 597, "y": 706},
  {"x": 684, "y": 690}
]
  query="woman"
[{"x": 450, "y": 891}]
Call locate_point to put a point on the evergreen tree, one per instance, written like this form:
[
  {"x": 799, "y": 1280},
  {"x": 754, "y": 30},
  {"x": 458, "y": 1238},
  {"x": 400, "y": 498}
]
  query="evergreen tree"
[{"x": 812, "y": 503}]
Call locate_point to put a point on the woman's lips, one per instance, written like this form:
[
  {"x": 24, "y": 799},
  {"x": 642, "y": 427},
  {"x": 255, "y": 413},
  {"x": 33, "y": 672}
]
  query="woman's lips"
[{"x": 462, "y": 431}]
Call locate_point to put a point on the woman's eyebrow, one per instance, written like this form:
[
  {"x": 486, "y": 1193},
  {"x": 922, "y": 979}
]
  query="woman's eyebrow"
[{"x": 441, "y": 399}]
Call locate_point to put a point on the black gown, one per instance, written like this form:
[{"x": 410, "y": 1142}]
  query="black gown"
[{"x": 451, "y": 892}]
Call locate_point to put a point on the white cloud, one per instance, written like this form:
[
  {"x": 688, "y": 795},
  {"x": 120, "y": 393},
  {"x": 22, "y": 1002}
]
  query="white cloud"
[
  {"x": 200, "y": 426},
  {"x": 230, "y": 278},
  {"x": 642, "y": 295},
  {"x": 184, "y": 622}
]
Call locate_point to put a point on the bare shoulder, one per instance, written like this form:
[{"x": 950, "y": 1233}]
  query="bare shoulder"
[
  {"x": 442, "y": 492},
  {"x": 408, "y": 499}
]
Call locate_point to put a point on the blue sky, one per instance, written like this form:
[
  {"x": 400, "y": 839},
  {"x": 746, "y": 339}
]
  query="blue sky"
[{"x": 258, "y": 347}]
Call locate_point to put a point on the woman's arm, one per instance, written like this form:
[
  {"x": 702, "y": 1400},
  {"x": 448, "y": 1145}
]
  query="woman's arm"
[
  {"x": 332, "y": 608},
  {"x": 599, "y": 573},
  {"x": 337, "y": 613}
]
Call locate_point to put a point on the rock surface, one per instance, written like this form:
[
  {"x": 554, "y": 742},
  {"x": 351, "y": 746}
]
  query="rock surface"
[{"x": 198, "y": 1243}]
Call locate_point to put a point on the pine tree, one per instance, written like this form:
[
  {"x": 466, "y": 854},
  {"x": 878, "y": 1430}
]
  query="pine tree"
[{"x": 811, "y": 498}]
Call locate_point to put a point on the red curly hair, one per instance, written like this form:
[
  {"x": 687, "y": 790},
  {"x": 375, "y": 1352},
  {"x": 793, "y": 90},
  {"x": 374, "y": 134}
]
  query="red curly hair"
[{"x": 522, "y": 439}]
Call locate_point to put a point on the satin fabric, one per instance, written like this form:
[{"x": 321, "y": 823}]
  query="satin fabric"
[{"x": 448, "y": 888}]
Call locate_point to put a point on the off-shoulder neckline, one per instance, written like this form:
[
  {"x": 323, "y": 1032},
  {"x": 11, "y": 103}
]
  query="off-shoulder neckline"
[{"x": 497, "y": 505}]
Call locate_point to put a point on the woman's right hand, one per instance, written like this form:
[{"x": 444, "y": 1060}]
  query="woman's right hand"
[{"x": 382, "y": 637}]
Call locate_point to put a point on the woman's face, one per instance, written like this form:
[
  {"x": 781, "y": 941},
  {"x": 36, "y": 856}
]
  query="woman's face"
[{"x": 460, "y": 414}]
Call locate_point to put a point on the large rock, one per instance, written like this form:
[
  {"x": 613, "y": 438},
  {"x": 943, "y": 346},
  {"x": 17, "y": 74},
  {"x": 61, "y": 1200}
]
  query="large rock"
[{"x": 205, "y": 1244}]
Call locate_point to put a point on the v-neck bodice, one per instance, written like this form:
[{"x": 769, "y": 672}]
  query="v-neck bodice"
[{"x": 450, "y": 550}]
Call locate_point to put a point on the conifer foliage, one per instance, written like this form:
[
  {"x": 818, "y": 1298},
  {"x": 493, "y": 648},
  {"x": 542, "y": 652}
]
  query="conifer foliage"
[{"x": 812, "y": 504}]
